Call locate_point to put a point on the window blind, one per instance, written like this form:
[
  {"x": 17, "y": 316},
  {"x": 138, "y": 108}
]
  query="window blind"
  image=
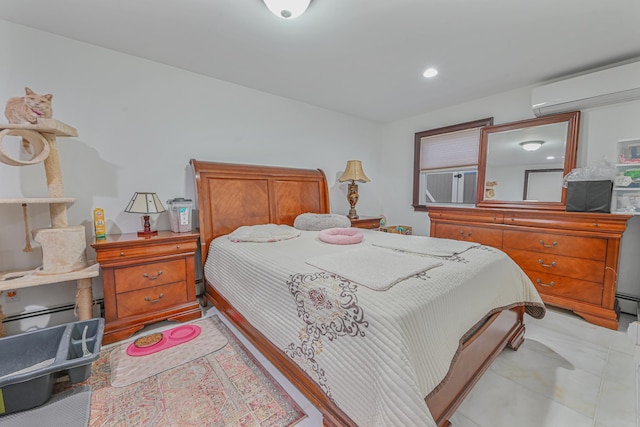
[{"x": 448, "y": 150}]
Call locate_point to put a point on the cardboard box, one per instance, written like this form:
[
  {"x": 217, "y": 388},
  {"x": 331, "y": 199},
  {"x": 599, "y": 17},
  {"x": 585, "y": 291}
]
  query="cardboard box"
[{"x": 398, "y": 229}]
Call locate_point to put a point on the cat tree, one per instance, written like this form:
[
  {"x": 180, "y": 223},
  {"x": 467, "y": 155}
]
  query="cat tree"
[{"x": 63, "y": 246}]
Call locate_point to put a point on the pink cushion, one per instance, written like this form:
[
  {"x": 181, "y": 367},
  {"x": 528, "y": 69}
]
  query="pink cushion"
[{"x": 341, "y": 236}]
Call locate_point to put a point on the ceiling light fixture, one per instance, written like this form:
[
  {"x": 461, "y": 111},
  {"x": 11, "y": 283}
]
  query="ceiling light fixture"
[
  {"x": 430, "y": 72},
  {"x": 531, "y": 145},
  {"x": 287, "y": 9}
]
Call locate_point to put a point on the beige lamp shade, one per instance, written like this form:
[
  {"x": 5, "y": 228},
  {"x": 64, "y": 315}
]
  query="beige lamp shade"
[
  {"x": 145, "y": 203},
  {"x": 354, "y": 172}
]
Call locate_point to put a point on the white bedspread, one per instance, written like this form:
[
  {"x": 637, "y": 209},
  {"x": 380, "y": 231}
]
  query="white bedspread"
[
  {"x": 376, "y": 354},
  {"x": 376, "y": 268},
  {"x": 426, "y": 245}
]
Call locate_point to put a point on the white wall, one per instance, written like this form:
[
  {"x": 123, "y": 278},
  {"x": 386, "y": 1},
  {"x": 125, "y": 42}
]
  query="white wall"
[{"x": 139, "y": 123}]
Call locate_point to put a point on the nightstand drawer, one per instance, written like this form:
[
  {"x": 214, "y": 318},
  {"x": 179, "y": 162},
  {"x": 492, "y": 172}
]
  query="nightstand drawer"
[
  {"x": 583, "y": 269},
  {"x": 146, "y": 251},
  {"x": 575, "y": 246},
  {"x": 566, "y": 287},
  {"x": 149, "y": 275},
  {"x": 370, "y": 223},
  {"x": 150, "y": 299}
]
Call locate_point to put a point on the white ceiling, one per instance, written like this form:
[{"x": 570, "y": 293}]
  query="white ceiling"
[{"x": 360, "y": 57}]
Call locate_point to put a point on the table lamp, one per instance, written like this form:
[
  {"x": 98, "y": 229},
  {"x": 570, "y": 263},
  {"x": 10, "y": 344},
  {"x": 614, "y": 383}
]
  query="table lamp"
[
  {"x": 145, "y": 203},
  {"x": 353, "y": 172}
]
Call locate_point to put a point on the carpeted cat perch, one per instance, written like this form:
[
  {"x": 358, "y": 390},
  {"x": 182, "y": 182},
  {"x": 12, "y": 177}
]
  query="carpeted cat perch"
[{"x": 63, "y": 246}]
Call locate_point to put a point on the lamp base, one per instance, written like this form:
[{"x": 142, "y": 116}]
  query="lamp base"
[
  {"x": 352, "y": 197},
  {"x": 147, "y": 233},
  {"x": 147, "y": 228}
]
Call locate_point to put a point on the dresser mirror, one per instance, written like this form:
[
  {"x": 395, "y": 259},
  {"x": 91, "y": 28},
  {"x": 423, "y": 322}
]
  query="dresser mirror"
[{"x": 522, "y": 164}]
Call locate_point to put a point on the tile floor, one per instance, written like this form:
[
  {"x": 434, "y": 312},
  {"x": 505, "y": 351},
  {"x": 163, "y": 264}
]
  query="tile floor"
[{"x": 567, "y": 373}]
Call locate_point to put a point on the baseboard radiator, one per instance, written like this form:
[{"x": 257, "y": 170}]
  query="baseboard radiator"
[{"x": 49, "y": 311}]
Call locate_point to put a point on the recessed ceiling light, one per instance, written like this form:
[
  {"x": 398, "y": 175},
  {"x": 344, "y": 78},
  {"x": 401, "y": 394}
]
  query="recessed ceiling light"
[
  {"x": 550, "y": 157},
  {"x": 430, "y": 72}
]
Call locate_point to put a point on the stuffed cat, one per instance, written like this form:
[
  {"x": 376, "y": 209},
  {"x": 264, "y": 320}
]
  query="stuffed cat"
[
  {"x": 490, "y": 190},
  {"x": 28, "y": 109}
]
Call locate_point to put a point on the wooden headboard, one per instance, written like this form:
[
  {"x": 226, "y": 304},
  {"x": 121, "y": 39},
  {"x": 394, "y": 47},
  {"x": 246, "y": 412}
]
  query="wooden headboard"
[{"x": 231, "y": 195}]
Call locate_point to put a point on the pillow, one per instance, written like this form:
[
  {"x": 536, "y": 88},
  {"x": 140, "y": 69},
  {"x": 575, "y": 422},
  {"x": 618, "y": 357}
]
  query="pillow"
[
  {"x": 341, "y": 236},
  {"x": 317, "y": 222},
  {"x": 263, "y": 233}
]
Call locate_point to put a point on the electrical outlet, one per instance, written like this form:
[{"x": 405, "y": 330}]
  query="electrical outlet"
[{"x": 11, "y": 296}]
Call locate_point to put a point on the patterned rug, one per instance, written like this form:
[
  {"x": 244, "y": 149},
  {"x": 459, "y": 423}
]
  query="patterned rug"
[{"x": 227, "y": 387}]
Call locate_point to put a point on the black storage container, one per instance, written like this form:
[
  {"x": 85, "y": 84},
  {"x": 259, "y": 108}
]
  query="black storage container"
[{"x": 589, "y": 196}]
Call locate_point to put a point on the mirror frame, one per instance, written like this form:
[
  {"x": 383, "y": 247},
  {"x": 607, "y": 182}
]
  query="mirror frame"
[
  {"x": 417, "y": 153},
  {"x": 573, "y": 121}
]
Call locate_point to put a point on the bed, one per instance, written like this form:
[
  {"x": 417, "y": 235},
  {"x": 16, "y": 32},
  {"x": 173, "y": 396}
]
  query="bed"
[{"x": 398, "y": 352}]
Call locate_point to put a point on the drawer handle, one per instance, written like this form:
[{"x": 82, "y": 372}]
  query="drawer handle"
[
  {"x": 153, "y": 300},
  {"x": 545, "y": 284},
  {"x": 121, "y": 253},
  {"x": 548, "y": 246},
  {"x": 468, "y": 234},
  {"x": 178, "y": 247},
  {"x": 553, "y": 264},
  {"x": 146, "y": 276}
]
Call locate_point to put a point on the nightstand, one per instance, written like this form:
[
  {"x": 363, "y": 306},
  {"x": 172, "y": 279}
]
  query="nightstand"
[
  {"x": 146, "y": 280},
  {"x": 366, "y": 222}
]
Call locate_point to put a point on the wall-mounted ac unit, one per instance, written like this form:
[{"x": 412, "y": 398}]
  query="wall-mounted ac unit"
[{"x": 617, "y": 84}]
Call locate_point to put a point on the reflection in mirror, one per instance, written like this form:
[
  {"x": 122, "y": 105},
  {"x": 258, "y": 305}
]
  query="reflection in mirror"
[
  {"x": 513, "y": 152},
  {"x": 543, "y": 185},
  {"x": 522, "y": 164}
]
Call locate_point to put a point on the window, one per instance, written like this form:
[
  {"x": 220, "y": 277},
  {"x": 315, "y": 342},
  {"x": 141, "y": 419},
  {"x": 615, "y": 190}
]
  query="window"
[{"x": 446, "y": 164}]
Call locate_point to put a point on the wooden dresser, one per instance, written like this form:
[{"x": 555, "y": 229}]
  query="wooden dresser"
[
  {"x": 146, "y": 280},
  {"x": 571, "y": 257}
]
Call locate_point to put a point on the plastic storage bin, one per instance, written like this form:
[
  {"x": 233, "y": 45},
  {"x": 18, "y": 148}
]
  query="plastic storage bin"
[
  {"x": 31, "y": 362},
  {"x": 589, "y": 196},
  {"x": 180, "y": 215}
]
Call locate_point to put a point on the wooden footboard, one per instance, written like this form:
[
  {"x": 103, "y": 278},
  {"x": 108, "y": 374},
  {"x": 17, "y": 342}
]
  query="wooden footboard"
[{"x": 502, "y": 329}]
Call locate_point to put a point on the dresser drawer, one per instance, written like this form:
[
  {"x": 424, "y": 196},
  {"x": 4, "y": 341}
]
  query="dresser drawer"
[
  {"x": 578, "y": 268},
  {"x": 575, "y": 246},
  {"x": 469, "y": 233},
  {"x": 566, "y": 287},
  {"x": 146, "y": 251},
  {"x": 151, "y": 299},
  {"x": 149, "y": 275}
]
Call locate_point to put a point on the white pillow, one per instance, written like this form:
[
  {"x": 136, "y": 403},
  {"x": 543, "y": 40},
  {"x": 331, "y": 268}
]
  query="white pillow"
[
  {"x": 263, "y": 233},
  {"x": 318, "y": 222}
]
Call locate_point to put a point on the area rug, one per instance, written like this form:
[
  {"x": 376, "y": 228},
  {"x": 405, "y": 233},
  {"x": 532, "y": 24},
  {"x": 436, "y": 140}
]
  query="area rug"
[
  {"x": 66, "y": 409},
  {"x": 126, "y": 370},
  {"x": 227, "y": 387}
]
